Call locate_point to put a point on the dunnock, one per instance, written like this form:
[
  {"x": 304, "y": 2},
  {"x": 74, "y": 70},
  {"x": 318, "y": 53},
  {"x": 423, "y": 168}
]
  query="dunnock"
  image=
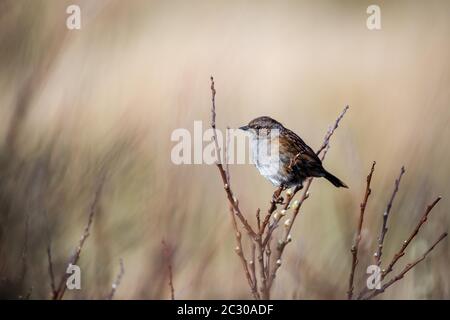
[{"x": 283, "y": 157}]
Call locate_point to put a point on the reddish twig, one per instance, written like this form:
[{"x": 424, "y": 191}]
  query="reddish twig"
[
  {"x": 234, "y": 204},
  {"x": 407, "y": 268},
  {"x": 24, "y": 255},
  {"x": 59, "y": 293},
  {"x": 118, "y": 280},
  {"x": 168, "y": 258},
  {"x": 50, "y": 257},
  {"x": 258, "y": 219},
  {"x": 405, "y": 244},
  {"x": 401, "y": 253},
  {"x": 231, "y": 199},
  {"x": 253, "y": 267},
  {"x": 264, "y": 291},
  {"x": 50, "y": 270},
  {"x": 384, "y": 228},
  {"x": 273, "y": 206},
  {"x": 227, "y": 148},
  {"x": 357, "y": 240},
  {"x": 326, "y": 141},
  {"x": 240, "y": 253}
]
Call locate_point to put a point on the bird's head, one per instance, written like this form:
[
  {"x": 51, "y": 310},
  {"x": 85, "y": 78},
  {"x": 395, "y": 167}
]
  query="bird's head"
[{"x": 262, "y": 125}]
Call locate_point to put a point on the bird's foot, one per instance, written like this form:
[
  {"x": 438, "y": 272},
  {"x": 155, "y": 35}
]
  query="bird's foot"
[{"x": 277, "y": 198}]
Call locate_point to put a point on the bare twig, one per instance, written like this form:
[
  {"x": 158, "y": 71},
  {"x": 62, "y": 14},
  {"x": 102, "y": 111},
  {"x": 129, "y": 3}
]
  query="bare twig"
[
  {"x": 24, "y": 255},
  {"x": 273, "y": 206},
  {"x": 168, "y": 257},
  {"x": 118, "y": 280},
  {"x": 59, "y": 293},
  {"x": 268, "y": 253},
  {"x": 264, "y": 291},
  {"x": 240, "y": 253},
  {"x": 253, "y": 267},
  {"x": 258, "y": 219},
  {"x": 367, "y": 293},
  {"x": 326, "y": 140},
  {"x": 384, "y": 228},
  {"x": 50, "y": 256},
  {"x": 407, "y": 268},
  {"x": 405, "y": 244},
  {"x": 231, "y": 199},
  {"x": 234, "y": 204},
  {"x": 50, "y": 269},
  {"x": 357, "y": 240},
  {"x": 227, "y": 150}
]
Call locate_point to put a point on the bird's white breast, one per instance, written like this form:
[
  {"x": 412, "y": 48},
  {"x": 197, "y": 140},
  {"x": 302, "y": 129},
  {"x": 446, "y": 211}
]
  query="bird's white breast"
[{"x": 266, "y": 158}]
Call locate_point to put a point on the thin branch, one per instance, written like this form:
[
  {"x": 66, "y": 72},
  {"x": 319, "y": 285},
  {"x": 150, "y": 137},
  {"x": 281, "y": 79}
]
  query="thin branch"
[
  {"x": 231, "y": 199},
  {"x": 258, "y": 219},
  {"x": 326, "y": 140},
  {"x": 118, "y": 280},
  {"x": 168, "y": 257},
  {"x": 253, "y": 267},
  {"x": 264, "y": 291},
  {"x": 249, "y": 268},
  {"x": 233, "y": 202},
  {"x": 357, "y": 240},
  {"x": 50, "y": 256},
  {"x": 268, "y": 253},
  {"x": 50, "y": 269},
  {"x": 74, "y": 259},
  {"x": 227, "y": 148},
  {"x": 407, "y": 268},
  {"x": 405, "y": 244},
  {"x": 273, "y": 206},
  {"x": 240, "y": 253},
  {"x": 384, "y": 228},
  {"x": 401, "y": 253},
  {"x": 24, "y": 255}
]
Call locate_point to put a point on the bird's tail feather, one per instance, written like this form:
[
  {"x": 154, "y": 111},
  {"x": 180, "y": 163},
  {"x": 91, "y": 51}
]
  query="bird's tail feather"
[{"x": 334, "y": 180}]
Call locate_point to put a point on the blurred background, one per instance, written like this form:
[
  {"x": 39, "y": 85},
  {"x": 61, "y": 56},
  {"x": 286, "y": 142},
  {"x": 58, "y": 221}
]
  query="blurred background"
[{"x": 104, "y": 100}]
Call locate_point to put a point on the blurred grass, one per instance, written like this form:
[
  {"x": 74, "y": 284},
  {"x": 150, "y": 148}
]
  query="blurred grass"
[{"x": 111, "y": 93}]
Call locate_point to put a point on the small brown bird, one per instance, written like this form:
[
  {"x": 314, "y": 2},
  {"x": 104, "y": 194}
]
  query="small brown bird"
[{"x": 283, "y": 157}]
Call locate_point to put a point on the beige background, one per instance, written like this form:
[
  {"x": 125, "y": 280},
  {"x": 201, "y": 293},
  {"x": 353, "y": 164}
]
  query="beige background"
[{"x": 112, "y": 93}]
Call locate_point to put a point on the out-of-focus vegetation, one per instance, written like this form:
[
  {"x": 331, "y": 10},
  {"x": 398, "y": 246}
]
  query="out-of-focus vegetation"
[{"x": 108, "y": 96}]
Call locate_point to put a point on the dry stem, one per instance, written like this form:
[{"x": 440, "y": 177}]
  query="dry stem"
[
  {"x": 405, "y": 244},
  {"x": 118, "y": 280},
  {"x": 367, "y": 293},
  {"x": 59, "y": 293},
  {"x": 408, "y": 267},
  {"x": 384, "y": 228},
  {"x": 357, "y": 240},
  {"x": 50, "y": 270},
  {"x": 168, "y": 257}
]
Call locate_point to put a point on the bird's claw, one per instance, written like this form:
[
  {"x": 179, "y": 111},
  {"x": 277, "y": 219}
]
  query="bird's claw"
[{"x": 277, "y": 200}]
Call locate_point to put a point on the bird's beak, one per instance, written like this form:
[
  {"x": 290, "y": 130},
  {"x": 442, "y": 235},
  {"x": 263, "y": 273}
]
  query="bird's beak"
[{"x": 245, "y": 128}]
